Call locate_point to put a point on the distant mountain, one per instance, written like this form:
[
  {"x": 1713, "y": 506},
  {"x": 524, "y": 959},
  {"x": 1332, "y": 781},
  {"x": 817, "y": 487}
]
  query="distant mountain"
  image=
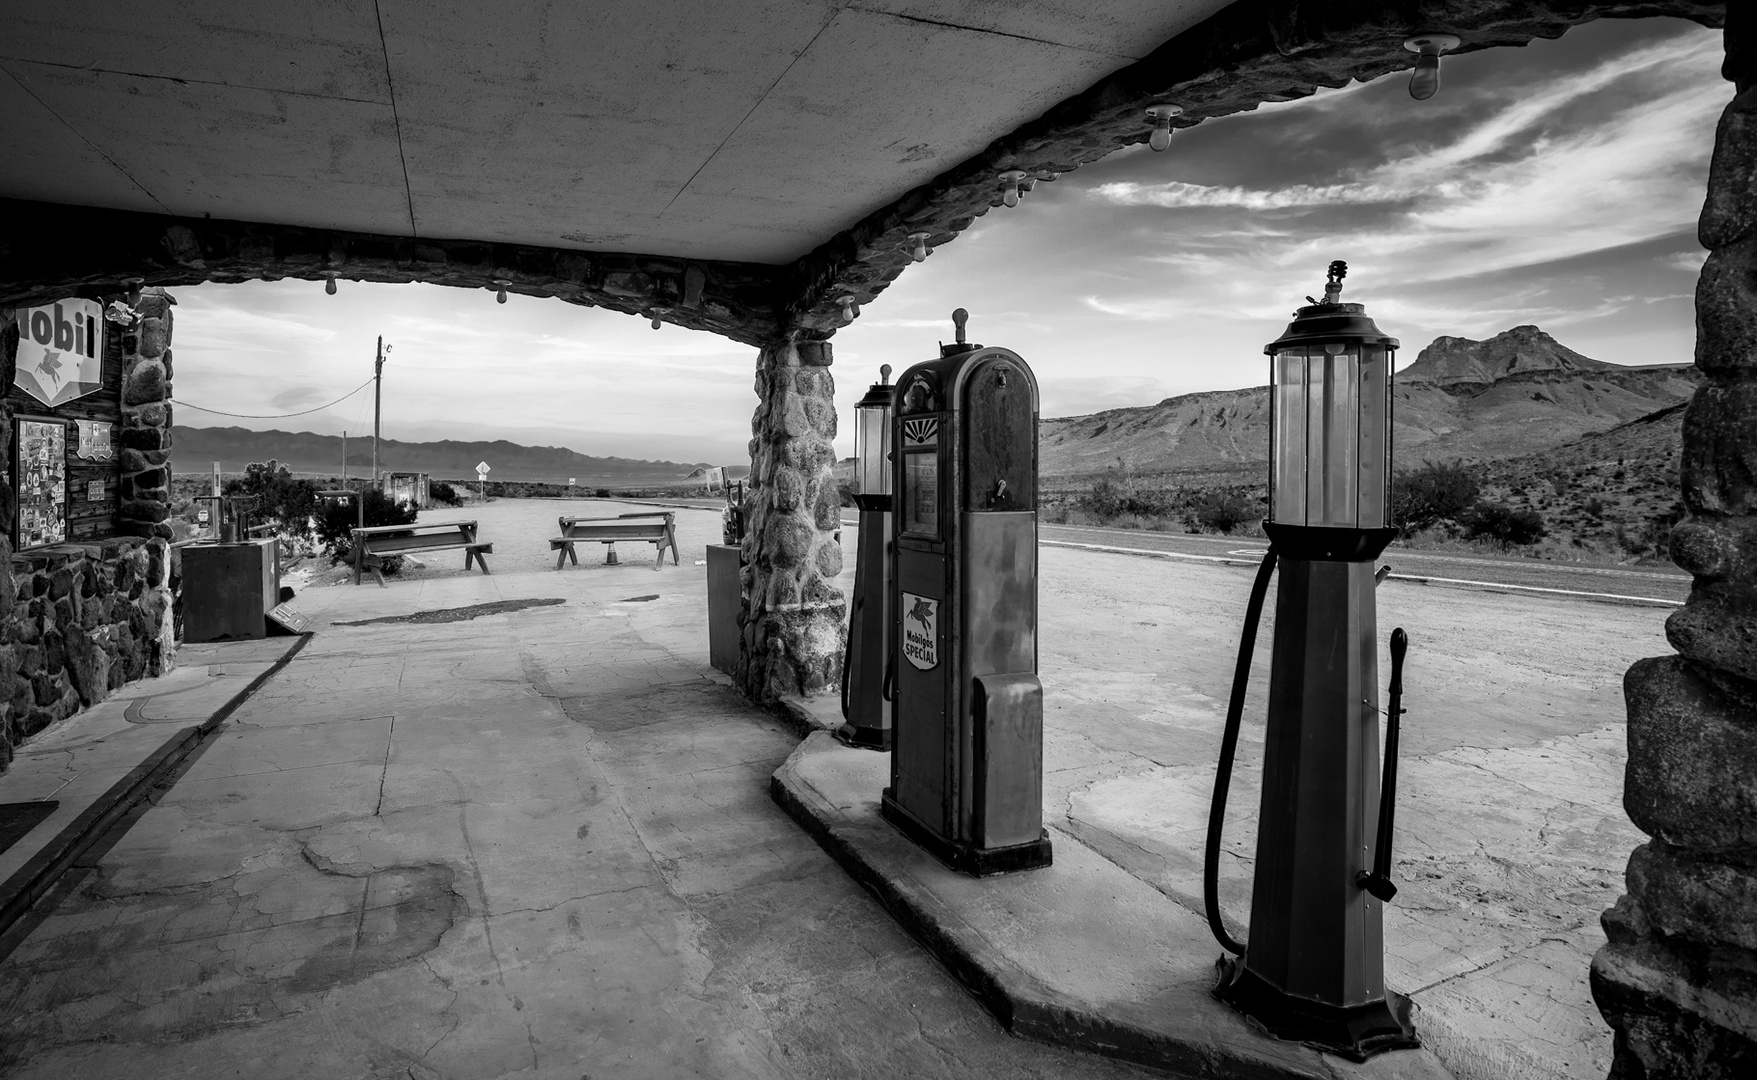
[
  {"x": 1461, "y": 362},
  {"x": 194, "y": 449},
  {"x": 1520, "y": 392}
]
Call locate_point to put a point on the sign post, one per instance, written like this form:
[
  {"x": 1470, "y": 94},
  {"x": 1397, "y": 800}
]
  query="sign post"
[{"x": 482, "y": 480}]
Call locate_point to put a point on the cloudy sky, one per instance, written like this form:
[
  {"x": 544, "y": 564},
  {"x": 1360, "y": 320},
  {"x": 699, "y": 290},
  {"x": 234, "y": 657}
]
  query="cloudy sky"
[{"x": 1556, "y": 184}]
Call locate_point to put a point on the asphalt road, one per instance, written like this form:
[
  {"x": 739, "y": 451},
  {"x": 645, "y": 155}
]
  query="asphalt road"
[{"x": 1652, "y": 585}]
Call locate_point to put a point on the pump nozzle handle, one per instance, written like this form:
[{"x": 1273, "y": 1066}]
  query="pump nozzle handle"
[{"x": 1378, "y": 881}]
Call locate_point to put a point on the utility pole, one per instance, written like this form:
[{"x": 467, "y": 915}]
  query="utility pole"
[{"x": 377, "y": 402}]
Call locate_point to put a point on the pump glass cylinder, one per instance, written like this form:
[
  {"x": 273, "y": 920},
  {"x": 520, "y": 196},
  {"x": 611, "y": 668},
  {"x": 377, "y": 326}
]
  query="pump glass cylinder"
[
  {"x": 872, "y": 450},
  {"x": 1330, "y": 448}
]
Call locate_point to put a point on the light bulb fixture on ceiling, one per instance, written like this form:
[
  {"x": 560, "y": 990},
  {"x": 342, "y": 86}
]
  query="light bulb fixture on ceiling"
[
  {"x": 1010, "y": 181},
  {"x": 501, "y": 284},
  {"x": 656, "y": 322},
  {"x": 918, "y": 246},
  {"x": 850, "y": 310},
  {"x": 1424, "y": 82},
  {"x": 329, "y": 285},
  {"x": 1161, "y": 115},
  {"x": 134, "y": 285}
]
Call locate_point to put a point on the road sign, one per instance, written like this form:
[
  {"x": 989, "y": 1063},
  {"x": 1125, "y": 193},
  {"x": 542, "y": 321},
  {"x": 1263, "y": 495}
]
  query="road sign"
[{"x": 481, "y": 468}]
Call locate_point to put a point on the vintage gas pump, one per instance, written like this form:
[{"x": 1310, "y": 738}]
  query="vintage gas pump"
[
  {"x": 967, "y": 751},
  {"x": 864, "y": 708},
  {"x": 1313, "y": 969}
]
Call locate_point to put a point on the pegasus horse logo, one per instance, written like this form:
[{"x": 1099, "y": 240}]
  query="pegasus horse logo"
[{"x": 50, "y": 365}]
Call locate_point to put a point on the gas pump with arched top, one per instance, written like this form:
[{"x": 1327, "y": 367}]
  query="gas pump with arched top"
[{"x": 967, "y": 719}]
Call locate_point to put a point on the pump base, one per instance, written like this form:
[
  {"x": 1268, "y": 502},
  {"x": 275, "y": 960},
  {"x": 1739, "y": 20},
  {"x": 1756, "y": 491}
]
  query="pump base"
[
  {"x": 1356, "y": 1032},
  {"x": 975, "y": 861},
  {"x": 867, "y": 738}
]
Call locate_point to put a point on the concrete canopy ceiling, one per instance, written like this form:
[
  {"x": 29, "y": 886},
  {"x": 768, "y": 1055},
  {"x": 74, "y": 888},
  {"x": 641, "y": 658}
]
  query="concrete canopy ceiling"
[
  {"x": 742, "y": 132},
  {"x": 740, "y": 166}
]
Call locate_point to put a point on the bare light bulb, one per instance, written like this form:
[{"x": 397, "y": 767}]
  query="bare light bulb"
[
  {"x": 1161, "y": 115},
  {"x": 1424, "y": 82},
  {"x": 850, "y": 309},
  {"x": 919, "y": 251},
  {"x": 500, "y": 295},
  {"x": 330, "y": 285},
  {"x": 655, "y": 322},
  {"x": 1010, "y": 186}
]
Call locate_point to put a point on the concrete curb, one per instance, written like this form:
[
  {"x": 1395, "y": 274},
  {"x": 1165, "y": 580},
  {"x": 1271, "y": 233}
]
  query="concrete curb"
[
  {"x": 797, "y": 716},
  {"x": 35, "y": 878},
  {"x": 1150, "y": 1033}
]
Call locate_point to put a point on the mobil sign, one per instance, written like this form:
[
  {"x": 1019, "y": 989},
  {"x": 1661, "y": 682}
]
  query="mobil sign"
[{"x": 60, "y": 350}]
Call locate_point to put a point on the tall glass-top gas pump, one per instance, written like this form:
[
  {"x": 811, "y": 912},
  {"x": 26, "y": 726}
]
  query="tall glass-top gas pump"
[
  {"x": 967, "y": 756},
  {"x": 867, "y": 714},
  {"x": 1313, "y": 968}
]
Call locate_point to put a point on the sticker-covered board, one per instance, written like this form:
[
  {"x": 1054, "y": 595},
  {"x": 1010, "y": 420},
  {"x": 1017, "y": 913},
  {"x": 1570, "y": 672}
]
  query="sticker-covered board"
[{"x": 42, "y": 483}]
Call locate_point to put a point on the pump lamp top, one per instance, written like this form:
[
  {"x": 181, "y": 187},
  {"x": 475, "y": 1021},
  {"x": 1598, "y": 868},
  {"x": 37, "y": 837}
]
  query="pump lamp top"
[{"x": 1330, "y": 408}]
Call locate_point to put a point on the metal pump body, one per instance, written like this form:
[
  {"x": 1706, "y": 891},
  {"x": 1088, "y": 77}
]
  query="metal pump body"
[
  {"x": 967, "y": 756},
  {"x": 1313, "y": 967},
  {"x": 865, "y": 712}
]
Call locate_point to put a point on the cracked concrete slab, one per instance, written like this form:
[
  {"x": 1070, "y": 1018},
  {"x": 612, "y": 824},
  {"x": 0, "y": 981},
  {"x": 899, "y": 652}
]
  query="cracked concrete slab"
[
  {"x": 624, "y": 899},
  {"x": 485, "y": 857}
]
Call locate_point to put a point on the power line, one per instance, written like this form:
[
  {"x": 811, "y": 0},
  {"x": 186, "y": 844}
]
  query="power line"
[{"x": 275, "y": 416}]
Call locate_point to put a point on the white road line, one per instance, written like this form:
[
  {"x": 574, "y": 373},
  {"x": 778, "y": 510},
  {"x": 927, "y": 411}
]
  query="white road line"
[{"x": 1419, "y": 579}]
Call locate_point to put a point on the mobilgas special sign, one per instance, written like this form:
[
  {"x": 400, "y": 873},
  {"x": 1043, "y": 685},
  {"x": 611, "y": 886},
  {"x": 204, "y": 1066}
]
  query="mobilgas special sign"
[
  {"x": 921, "y": 631},
  {"x": 60, "y": 350}
]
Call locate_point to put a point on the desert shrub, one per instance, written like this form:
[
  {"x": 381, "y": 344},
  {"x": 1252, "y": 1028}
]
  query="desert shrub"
[
  {"x": 444, "y": 494},
  {"x": 1653, "y": 540},
  {"x": 1220, "y": 511},
  {"x": 1432, "y": 491},
  {"x": 1104, "y": 501},
  {"x": 290, "y": 502},
  {"x": 1502, "y": 525},
  {"x": 334, "y": 528},
  {"x": 1108, "y": 500}
]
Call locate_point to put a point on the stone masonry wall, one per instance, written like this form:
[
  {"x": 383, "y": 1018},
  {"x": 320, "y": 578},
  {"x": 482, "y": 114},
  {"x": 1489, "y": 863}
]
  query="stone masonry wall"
[
  {"x": 145, "y": 437},
  {"x": 792, "y": 616},
  {"x": 1678, "y": 979},
  {"x": 83, "y": 620},
  {"x": 79, "y": 620}
]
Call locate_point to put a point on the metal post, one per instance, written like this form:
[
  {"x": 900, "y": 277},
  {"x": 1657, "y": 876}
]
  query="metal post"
[
  {"x": 377, "y": 397},
  {"x": 344, "y": 457}
]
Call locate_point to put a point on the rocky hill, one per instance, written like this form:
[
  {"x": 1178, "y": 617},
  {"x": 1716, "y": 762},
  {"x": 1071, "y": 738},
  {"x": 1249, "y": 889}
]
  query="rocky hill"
[
  {"x": 194, "y": 449},
  {"x": 1518, "y": 393}
]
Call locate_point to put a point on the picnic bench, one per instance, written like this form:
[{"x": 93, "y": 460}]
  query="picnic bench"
[
  {"x": 660, "y": 533},
  {"x": 374, "y": 545}
]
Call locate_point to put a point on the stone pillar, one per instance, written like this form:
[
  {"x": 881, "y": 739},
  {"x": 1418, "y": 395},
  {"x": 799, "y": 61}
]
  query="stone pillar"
[
  {"x": 1678, "y": 980},
  {"x": 146, "y": 418},
  {"x": 792, "y": 619}
]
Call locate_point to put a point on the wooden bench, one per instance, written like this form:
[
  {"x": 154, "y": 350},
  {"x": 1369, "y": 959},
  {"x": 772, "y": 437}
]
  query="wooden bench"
[
  {"x": 608, "y": 531},
  {"x": 372, "y": 546}
]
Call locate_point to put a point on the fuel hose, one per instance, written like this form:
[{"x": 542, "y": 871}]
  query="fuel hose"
[
  {"x": 848, "y": 653},
  {"x": 1228, "y": 748}
]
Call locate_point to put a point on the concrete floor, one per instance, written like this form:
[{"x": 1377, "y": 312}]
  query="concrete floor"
[
  {"x": 539, "y": 843},
  {"x": 1510, "y": 833},
  {"x": 533, "y": 844}
]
